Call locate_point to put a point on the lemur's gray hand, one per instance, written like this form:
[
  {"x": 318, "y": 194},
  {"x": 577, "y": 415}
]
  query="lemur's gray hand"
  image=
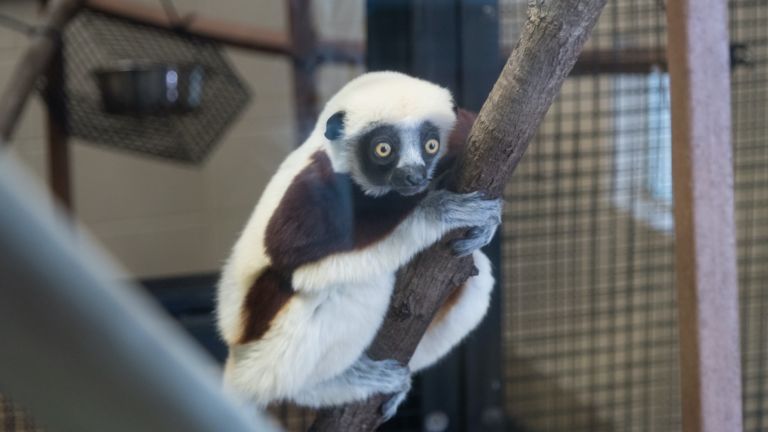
[
  {"x": 456, "y": 210},
  {"x": 475, "y": 238},
  {"x": 385, "y": 376},
  {"x": 470, "y": 210}
]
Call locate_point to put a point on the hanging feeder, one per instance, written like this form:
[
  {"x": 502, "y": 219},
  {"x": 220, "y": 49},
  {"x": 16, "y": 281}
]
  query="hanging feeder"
[
  {"x": 148, "y": 90},
  {"x": 138, "y": 88}
]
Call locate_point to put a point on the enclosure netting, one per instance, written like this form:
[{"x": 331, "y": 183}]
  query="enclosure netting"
[
  {"x": 94, "y": 40},
  {"x": 590, "y": 328}
]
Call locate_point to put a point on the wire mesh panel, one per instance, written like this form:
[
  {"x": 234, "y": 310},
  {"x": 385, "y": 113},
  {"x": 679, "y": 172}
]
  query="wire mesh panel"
[
  {"x": 590, "y": 320},
  {"x": 591, "y": 333},
  {"x": 94, "y": 40},
  {"x": 749, "y": 39}
]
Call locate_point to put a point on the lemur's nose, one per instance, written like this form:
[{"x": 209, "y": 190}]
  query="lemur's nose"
[
  {"x": 414, "y": 179},
  {"x": 409, "y": 177}
]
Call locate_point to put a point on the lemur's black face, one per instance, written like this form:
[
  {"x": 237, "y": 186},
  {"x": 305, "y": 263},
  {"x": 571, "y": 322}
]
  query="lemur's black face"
[
  {"x": 399, "y": 158},
  {"x": 390, "y": 157}
]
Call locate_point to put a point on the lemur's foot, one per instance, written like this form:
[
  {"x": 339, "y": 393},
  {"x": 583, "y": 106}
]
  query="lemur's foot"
[
  {"x": 383, "y": 376},
  {"x": 476, "y": 238},
  {"x": 389, "y": 408},
  {"x": 387, "y": 377}
]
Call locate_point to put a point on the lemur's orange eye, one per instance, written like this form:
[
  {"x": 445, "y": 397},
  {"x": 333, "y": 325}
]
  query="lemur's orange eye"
[
  {"x": 383, "y": 149},
  {"x": 432, "y": 146}
]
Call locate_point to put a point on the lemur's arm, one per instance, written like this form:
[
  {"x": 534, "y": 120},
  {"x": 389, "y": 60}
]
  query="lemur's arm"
[
  {"x": 324, "y": 232},
  {"x": 436, "y": 214}
]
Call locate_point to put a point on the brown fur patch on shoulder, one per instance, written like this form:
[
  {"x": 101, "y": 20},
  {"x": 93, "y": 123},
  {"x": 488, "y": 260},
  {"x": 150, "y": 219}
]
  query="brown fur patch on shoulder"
[
  {"x": 266, "y": 297},
  {"x": 448, "y": 304},
  {"x": 457, "y": 145},
  {"x": 313, "y": 218},
  {"x": 457, "y": 141},
  {"x": 323, "y": 212}
]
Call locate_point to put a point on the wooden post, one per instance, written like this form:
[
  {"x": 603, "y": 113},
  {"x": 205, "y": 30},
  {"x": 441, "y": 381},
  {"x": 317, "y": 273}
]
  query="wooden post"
[
  {"x": 705, "y": 257},
  {"x": 304, "y": 49},
  {"x": 58, "y": 145}
]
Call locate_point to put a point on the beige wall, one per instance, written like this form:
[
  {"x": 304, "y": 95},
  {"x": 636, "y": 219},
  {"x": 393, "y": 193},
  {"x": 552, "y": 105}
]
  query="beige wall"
[{"x": 160, "y": 218}]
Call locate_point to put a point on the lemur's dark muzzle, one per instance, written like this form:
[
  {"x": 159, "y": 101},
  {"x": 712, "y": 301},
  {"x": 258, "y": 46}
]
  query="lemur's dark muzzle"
[{"x": 409, "y": 178}]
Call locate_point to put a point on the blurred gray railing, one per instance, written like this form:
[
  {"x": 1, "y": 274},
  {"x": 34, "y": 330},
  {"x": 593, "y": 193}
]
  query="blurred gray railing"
[{"x": 85, "y": 352}]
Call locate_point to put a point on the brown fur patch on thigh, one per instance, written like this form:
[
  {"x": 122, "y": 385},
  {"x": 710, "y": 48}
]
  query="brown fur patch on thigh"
[
  {"x": 448, "y": 304},
  {"x": 268, "y": 294}
]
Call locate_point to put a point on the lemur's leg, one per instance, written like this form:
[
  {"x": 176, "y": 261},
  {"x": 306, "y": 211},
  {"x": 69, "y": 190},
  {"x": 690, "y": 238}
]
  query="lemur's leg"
[
  {"x": 363, "y": 379},
  {"x": 459, "y": 315}
]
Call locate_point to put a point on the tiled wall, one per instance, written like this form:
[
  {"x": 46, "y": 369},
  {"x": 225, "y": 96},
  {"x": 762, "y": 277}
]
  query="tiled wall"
[{"x": 159, "y": 218}]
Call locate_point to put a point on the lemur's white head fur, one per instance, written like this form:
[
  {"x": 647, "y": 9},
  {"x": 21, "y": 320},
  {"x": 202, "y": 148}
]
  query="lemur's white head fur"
[{"x": 400, "y": 114}]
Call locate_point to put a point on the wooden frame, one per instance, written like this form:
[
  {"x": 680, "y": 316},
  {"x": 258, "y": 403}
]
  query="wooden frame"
[{"x": 705, "y": 256}]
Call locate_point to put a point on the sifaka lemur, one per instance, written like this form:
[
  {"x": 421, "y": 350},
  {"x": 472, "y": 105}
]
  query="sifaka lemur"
[{"x": 310, "y": 278}]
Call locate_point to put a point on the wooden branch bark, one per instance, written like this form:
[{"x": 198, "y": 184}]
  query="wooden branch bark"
[
  {"x": 546, "y": 52},
  {"x": 34, "y": 62}
]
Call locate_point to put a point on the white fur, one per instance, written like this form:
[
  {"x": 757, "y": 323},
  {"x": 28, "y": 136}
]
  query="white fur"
[
  {"x": 464, "y": 316},
  {"x": 368, "y": 100},
  {"x": 410, "y": 150},
  {"x": 249, "y": 256},
  {"x": 341, "y": 300},
  {"x": 316, "y": 337},
  {"x": 382, "y": 258}
]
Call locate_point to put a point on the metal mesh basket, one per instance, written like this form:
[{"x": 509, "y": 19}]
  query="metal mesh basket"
[{"x": 94, "y": 40}]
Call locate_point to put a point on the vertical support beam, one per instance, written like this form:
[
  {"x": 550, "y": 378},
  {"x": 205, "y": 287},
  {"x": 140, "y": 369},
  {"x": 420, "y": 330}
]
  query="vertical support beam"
[
  {"x": 56, "y": 130},
  {"x": 387, "y": 49},
  {"x": 304, "y": 50},
  {"x": 705, "y": 255}
]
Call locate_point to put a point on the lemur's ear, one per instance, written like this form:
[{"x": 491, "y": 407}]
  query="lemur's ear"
[{"x": 334, "y": 127}]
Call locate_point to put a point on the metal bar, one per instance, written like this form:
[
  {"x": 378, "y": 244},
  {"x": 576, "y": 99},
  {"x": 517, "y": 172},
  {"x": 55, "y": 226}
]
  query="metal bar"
[
  {"x": 58, "y": 143},
  {"x": 88, "y": 353},
  {"x": 34, "y": 62},
  {"x": 705, "y": 255},
  {"x": 624, "y": 61},
  {"x": 226, "y": 32}
]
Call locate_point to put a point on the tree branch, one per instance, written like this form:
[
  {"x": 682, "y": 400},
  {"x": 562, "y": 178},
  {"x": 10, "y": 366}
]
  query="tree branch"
[{"x": 546, "y": 52}]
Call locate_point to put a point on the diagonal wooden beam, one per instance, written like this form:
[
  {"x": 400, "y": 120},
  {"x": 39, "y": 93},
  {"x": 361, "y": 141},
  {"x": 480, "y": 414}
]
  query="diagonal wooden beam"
[
  {"x": 43, "y": 46},
  {"x": 705, "y": 243}
]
